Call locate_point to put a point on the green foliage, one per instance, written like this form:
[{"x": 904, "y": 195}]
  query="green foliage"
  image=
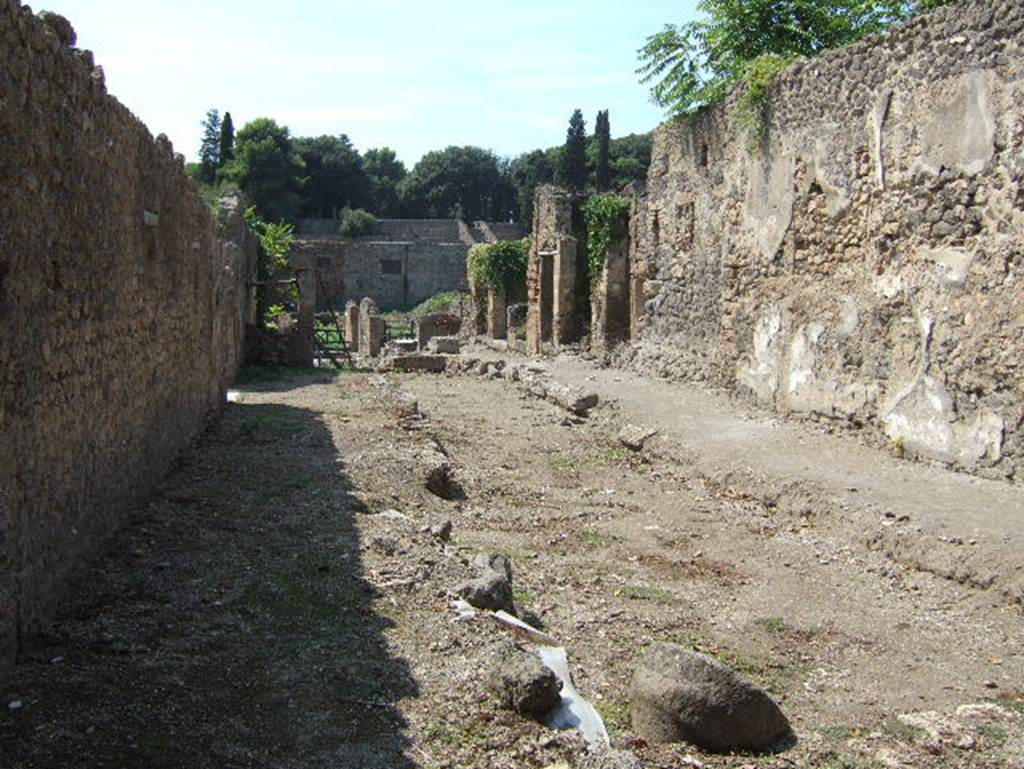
[
  {"x": 753, "y": 104},
  {"x": 572, "y": 172},
  {"x": 275, "y": 244},
  {"x": 606, "y": 218},
  {"x": 499, "y": 266},
  {"x": 696, "y": 64},
  {"x": 457, "y": 181},
  {"x": 227, "y": 139},
  {"x": 385, "y": 173},
  {"x": 602, "y": 138},
  {"x": 529, "y": 171},
  {"x": 267, "y": 169},
  {"x": 335, "y": 177},
  {"x": 209, "y": 149},
  {"x": 437, "y": 303},
  {"x": 356, "y": 222}
]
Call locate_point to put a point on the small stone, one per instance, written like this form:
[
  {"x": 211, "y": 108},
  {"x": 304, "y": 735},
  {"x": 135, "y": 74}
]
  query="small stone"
[
  {"x": 634, "y": 437},
  {"x": 385, "y": 545},
  {"x": 442, "y": 531},
  {"x": 492, "y": 590},
  {"x": 15, "y": 705},
  {"x": 522, "y": 683}
]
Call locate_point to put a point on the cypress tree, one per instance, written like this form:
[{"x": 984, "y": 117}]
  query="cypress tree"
[
  {"x": 603, "y": 134},
  {"x": 209, "y": 149},
  {"x": 227, "y": 140},
  {"x": 573, "y": 171}
]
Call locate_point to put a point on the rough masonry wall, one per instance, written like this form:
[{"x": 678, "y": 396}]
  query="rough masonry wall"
[
  {"x": 864, "y": 261},
  {"x": 122, "y": 303},
  {"x": 404, "y": 262}
]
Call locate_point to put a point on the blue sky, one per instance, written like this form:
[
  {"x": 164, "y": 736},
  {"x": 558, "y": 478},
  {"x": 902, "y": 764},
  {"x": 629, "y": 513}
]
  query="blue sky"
[{"x": 414, "y": 76}]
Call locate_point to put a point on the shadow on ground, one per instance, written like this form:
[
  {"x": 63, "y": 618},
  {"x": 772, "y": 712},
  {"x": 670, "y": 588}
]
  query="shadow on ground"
[{"x": 228, "y": 624}]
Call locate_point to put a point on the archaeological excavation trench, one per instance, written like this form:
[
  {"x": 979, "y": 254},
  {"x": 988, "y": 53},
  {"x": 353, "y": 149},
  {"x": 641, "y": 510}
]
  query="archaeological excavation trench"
[{"x": 740, "y": 488}]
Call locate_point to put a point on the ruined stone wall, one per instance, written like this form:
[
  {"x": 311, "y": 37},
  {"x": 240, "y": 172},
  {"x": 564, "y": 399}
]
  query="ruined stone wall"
[
  {"x": 863, "y": 262},
  {"x": 122, "y": 308},
  {"x": 401, "y": 264}
]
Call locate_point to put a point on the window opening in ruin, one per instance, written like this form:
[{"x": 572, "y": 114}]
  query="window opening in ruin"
[{"x": 702, "y": 156}]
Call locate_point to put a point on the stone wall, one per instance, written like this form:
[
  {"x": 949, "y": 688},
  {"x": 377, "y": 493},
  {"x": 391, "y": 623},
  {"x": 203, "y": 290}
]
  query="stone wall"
[
  {"x": 863, "y": 261},
  {"x": 122, "y": 308},
  {"x": 401, "y": 264}
]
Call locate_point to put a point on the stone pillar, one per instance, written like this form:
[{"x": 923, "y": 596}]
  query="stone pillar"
[
  {"x": 563, "y": 315},
  {"x": 305, "y": 274},
  {"x": 371, "y": 329},
  {"x": 610, "y": 301},
  {"x": 352, "y": 326},
  {"x": 497, "y": 327},
  {"x": 477, "y": 303},
  {"x": 515, "y": 316}
]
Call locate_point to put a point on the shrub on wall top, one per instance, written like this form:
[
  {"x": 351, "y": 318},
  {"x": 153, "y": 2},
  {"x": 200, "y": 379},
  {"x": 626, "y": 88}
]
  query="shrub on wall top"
[
  {"x": 499, "y": 266},
  {"x": 607, "y": 219},
  {"x": 355, "y": 222}
]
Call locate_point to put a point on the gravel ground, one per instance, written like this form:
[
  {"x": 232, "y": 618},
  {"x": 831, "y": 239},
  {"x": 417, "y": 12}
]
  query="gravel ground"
[{"x": 282, "y": 602}]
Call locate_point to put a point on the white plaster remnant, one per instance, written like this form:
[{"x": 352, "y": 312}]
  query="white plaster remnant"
[
  {"x": 922, "y": 416},
  {"x": 878, "y": 116},
  {"x": 959, "y": 132},
  {"x": 768, "y": 212},
  {"x": 760, "y": 373},
  {"x": 802, "y": 349},
  {"x": 953, "y": 265},
  {"x": 849, "y": 317}
]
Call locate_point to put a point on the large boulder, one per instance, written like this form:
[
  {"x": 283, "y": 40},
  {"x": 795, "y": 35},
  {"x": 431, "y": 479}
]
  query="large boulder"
[{"x": 679, "y": 695}]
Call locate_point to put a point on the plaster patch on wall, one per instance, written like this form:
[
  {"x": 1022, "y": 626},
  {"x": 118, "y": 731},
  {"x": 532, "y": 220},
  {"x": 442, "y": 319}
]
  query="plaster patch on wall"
[
  {"x": 889, "y": 284},
  {"x": 849, "y": 317},
  {"x": 802, "y": 357},
  {"x": 768, "y": 211},
  {"x": 922, "y": 416},
  {"x": 878, "y": 115},
  {"x": 832, "y": 176},
  {"x": 951, "y": 265},
  {"x": 959, "y": 129},
  {"x": 760, "y": 373}
]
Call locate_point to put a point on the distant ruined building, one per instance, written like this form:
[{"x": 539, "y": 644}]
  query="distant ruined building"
[{"x": 403, "y": 262}]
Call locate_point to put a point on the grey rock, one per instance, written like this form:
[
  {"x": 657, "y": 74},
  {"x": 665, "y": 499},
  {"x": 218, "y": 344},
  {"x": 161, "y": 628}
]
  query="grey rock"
[
  {"x": 634, "y": 437},
  {"x": 681, "y": 696},
  {"x": 522, "y": 683},
  {"x": 491, "y": 591},
  {"x": 574, "y": 399},
  {"x": 61, "y": 26},
  {"x": 442, "y": 531},
  {"x": 493, "y": 588},
  {"x": 499, "y": 563}
]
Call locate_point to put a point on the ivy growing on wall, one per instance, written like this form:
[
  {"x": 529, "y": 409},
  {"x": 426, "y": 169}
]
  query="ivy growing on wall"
[
  {"x": 606, "y": 218},
  {"x": 499, "y": 266}
]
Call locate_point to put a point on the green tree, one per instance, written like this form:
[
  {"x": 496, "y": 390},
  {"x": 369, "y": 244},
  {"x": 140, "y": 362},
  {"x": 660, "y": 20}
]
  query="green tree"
[
  {"x": 267, "y": 169},
  {"x": 630, "y": 159},
  {"x": 227, "y": 140},
  {"x": 696, "y": 64},
  {"x": 385, "y": 173},
  {"x": 572, "y": 173},
  {"x": 529, "y": 171},
  {"x": 335, "y": 178},
  {"x": 603, "y": 137},
  {"x": 455, "y": 181},
  {"x": 209, "y": 149}
]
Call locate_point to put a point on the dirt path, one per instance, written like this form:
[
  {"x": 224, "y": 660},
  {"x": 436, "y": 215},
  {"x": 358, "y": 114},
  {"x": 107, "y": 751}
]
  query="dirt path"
[{"x": 283, "y": 603}]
